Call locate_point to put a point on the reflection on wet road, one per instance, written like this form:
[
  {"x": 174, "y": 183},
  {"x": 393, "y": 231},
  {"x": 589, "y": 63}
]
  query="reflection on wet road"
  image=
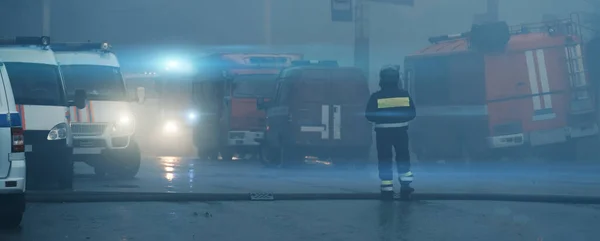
[
  {"x": 176, "y": 174},
  {"x": 309, "y": 220}
]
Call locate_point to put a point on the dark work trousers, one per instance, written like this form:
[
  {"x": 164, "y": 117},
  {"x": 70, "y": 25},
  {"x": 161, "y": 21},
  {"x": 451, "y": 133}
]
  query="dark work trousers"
[{"x": 396, "y": 138}]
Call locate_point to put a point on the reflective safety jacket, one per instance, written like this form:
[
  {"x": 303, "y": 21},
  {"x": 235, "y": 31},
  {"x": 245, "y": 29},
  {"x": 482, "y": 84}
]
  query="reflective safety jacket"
[{"x": 390, "y": 108}]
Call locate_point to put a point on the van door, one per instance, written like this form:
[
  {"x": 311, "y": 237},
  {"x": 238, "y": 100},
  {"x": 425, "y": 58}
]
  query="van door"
[
  {"x": 311, "y": 108},
  {"x": 5, "y": 122},
  {"x": 348, "y": 98}
]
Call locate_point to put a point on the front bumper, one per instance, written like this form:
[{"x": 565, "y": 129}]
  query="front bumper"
[
  {"x": 15, "y": 181},
  {"x": 245, "y": 138},
  {"x": 95, "y": 145},
  {"x": 93, "y": 138},
  {"x": 541, "y": 137}
]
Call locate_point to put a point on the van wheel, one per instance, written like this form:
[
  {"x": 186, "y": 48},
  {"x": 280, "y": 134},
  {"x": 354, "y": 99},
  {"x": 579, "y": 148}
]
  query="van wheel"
[
  {"x": 270, "y": 157},
  {"x": 128, "y": 161},
  {"x": 65, "y": 180},
  {"x": 289, "y": 157},
  {"x": 203, "y": 155},
  {"x": 11, "y": 220},
  {"x": 226, "y": 155},
  {"x": 213, "y": 155}
]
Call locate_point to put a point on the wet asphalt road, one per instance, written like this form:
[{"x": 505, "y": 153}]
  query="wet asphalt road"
[
  {"x": 320, "y": 220},
  {"x": 185, "y": 175},
  {"x": 309, "y": 220}
]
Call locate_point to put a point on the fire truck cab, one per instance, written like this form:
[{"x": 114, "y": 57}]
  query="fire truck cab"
[
  {"x": 225, "y": 89},
  {"x": 501, "y": 90}
]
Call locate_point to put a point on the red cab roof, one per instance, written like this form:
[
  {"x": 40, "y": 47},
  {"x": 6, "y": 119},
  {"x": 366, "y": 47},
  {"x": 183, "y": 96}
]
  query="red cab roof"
[{"x": 517, "y": 42}]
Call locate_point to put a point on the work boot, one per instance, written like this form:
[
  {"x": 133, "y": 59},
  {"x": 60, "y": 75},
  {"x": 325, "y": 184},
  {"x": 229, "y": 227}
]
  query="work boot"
[
  {"x": 405, "y": 189},
  {"x": 387, "y": 190}
]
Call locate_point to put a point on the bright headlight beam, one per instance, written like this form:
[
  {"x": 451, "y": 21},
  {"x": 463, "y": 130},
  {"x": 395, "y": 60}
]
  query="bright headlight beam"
[
  {"x": 124, "y": 120},
  {"x": 172, "y": 64},
  {"x": 171, "y": 127}
]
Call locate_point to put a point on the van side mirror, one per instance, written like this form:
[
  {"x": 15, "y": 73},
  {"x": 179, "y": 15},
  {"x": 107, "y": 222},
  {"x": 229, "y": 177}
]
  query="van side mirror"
[
  {"x": 140, "y": 95},
  {"x": 262, "y": 104},
  {"x": 79, "y": 100}
]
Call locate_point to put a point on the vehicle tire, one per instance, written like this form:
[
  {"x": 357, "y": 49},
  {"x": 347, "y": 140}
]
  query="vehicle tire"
[
  {"x": 270, "y": 157},
  {"x": 65, "y": 178},
  {"x": 226, "y": 155},
  {"x": 213, "y": 155},
  {"x": 11, "y": 220},
  {"x": 585, "y": 149},
  {"x": 290, "y": 157},
  {"x": 128, "y": 161},
  {"x": 202, "y": 154}
]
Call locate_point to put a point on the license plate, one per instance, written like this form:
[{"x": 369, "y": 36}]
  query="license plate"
[
  {"x": 86, "y": 151},
  {"x": 86, "y": 143}
]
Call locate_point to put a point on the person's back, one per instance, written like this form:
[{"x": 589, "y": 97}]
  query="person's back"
[{"x": 390, "y": 109}]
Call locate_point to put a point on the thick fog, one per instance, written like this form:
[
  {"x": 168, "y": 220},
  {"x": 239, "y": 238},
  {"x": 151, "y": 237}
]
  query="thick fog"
[{"x": 299, "y": 26}]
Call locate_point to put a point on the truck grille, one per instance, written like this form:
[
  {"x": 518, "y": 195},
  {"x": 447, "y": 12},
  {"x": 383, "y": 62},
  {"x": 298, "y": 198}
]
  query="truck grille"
[{"x": 88, "y": 129}]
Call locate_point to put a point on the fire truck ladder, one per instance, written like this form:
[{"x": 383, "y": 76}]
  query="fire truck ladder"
[{"x": 581, "y": 98}]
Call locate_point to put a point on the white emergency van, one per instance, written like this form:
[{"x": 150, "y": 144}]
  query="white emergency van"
[
  {"x": 103, "y": 131},
  {"x": 12, "y": 157},
  {"x": 41, "y": 101}
]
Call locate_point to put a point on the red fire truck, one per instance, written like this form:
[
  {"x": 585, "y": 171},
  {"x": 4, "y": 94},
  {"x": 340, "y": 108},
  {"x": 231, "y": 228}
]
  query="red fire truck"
[
  {"x": 225, "y": 89},
  {"x": 500, "y": 90},
  {"x": 318, "y": 112}
]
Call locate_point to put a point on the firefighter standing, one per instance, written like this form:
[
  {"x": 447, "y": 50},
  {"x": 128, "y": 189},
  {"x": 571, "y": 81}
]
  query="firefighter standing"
[{"x": 391, "y": 108}]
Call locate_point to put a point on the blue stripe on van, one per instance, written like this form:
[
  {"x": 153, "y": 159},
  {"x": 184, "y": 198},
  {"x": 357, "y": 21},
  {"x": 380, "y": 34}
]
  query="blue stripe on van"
[{"x": 15, "y": 120}]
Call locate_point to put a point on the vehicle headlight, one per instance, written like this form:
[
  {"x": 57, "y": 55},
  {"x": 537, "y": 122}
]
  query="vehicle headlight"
[
  {"x": 124, "y": 120},
  {"x": 58, "y": 132},
  {"x": 124, "y": 123},
  {"x": 171, "y": 127}
]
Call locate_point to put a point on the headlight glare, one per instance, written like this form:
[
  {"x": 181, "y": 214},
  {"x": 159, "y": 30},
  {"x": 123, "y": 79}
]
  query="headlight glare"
[
  {"x": 124, "y": 120},
  {"x": 170, "y": 127}
]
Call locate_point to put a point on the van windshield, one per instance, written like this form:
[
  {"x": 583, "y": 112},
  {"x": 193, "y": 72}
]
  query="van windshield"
[
  {"x": 100, "y": 82},
  {"x": 36, "y": 84},
  {"x": 254, "y": 85}
]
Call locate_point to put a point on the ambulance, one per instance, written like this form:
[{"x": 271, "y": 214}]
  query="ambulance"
[
  {"x": 103, "y": 131},
  {"x": 12, "y": 153},
  {"x": 41, "y": 101}
]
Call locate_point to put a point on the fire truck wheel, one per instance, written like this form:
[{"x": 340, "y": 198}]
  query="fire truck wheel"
[
  {"x": 127, "y": 162},
  {"x": 586, "y": 150}
]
